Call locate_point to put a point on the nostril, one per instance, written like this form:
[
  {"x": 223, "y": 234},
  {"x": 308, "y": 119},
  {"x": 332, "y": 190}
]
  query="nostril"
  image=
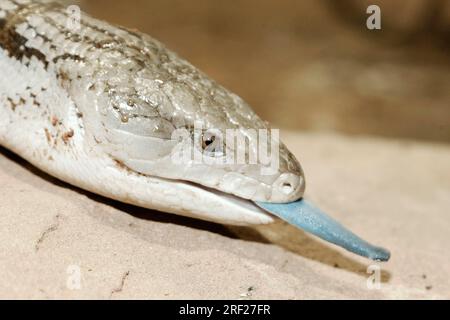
[{"x": 287, "y": 188}]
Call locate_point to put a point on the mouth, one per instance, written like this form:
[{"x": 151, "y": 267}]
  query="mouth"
[
  {"x": 302, "y": 214},
  {"x": 218, "y": 206}
]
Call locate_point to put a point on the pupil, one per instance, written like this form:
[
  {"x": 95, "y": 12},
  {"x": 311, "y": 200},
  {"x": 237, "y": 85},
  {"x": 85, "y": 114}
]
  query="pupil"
[{"x": 208, "y": 141}]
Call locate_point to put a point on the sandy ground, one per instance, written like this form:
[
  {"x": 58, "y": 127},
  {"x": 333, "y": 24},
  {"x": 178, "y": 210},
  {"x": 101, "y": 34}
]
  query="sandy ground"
[{"x": 393, "y": 193}]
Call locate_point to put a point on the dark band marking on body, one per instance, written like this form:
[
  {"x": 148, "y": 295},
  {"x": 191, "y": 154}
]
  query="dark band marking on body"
[
  {"x": 15, "y": 45},
  {"x": 68, "y": 56},
  {"x": 13, "y": 42}
]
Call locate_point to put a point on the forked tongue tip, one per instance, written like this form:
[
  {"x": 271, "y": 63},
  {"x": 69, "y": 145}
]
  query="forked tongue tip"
[{"x": 306, "y": 216}]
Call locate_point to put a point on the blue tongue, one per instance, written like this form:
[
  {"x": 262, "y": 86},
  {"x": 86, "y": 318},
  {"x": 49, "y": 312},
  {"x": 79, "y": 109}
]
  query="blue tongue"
[{"x": 304, "y": 215}]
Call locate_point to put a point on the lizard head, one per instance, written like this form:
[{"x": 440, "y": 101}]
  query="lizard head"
[{"x": 169, "y": 120}]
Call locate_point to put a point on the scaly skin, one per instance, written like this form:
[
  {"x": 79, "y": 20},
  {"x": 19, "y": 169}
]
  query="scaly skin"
[{"x": 97, "y": 107}]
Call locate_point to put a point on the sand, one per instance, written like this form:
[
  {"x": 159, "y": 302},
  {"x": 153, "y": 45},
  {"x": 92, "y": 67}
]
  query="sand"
[{"x": 60, "y": 242}]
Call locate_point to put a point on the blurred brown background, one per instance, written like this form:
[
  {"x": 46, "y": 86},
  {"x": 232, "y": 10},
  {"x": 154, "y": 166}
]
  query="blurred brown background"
[{"x": 312, "y": 64}]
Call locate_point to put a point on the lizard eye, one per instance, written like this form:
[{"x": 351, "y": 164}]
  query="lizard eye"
[
  {"x": 212, "y": 143},
  {"x": 207, "y": 141}
]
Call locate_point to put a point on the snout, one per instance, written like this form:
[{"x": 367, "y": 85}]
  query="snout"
[{"x": 289, "y": 187}]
